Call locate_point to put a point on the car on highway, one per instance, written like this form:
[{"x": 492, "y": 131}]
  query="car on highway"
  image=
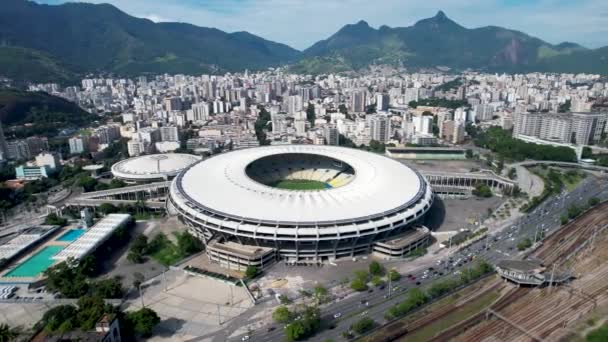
[
  {"x": 245, "y": 338},
  {"x": 337, "y": 315}
]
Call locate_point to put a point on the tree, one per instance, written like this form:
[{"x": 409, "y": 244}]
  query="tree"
[
  {"x": 188, "y": 244},
  {"x": 295, "y": 331},
  {"x": 61, "y": 318},
  {"x": 375, "y": 268},
  {"x": 138, "y": 279},
  {"x": 469, "y": 153},
  {"x": 88, "y": 183},
  {"x": 320, "y": 293},
  {"x": 358, "y": 284},
  {"x": 363, "y": 325},
  {"x": 377, "y": 280},
  {"x": 143, "y": 321},
  {"x": 482, "y": 190},
  {"x": 281, "y": 314},
  {"x": 251, "y": 272},
  {"x": 393, "y": 275},
  {"x": 563, "y": 219},
  {"x": 139, "y": 247},
  {"x": 524, "y": 244},
  {"x": 88, "y": 265},
  {"x": 108, "y": 288},
  {"x": 593, "y": 201},
  {"x": 6, "y": 333},
  {"x": 108, "y": 208},
  {"x": 54, "y": 220},
  {"x": 342, "y": 109}
]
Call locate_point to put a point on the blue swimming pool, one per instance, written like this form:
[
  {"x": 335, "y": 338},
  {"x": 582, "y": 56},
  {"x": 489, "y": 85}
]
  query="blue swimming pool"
[{"x": 71, "y": 235}]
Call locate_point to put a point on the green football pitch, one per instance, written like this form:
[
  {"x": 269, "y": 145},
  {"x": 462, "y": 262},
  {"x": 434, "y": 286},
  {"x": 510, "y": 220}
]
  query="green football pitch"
[{"x": 300, "y": 184}]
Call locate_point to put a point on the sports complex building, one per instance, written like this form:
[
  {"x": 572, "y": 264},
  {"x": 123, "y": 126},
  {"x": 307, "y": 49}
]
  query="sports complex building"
[
  {"x": 302, "y": 203},
  {"x": 153, "y": 167}
]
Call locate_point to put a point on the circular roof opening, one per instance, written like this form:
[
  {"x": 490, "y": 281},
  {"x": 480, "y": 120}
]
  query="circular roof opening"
[{"x": 300, "y": 171}]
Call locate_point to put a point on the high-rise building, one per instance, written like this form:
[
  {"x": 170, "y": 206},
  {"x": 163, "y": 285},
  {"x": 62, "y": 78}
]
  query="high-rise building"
[
  {"x": 331, "y": 135},
  {"x": 588, "y": 127},
  {"x": 380, "y": 128},
  {"x": 18, "y": 150},
  {"x": 382, "y": 101},
  {"x": 169, "y": 133},
  {"x": 107, "y": 134},
  {"x": 173, "y": 103},
  {"x": 78, "y": 144},
  {"x": 357, "y": 101},
  {"x": 300, "y": 126},
  {"x": 423, "y": 124},
  {"x": 200, "y": 112},
  {"x": 136, "y": 147},
  {"x": 294, "y": 104},
  {"x": 526, "y": 124}
]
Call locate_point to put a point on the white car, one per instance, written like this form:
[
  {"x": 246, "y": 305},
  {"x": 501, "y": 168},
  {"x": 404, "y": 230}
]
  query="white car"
[
  {"x": 245, "y": 338},
  {"x": 337, "y": 315}
]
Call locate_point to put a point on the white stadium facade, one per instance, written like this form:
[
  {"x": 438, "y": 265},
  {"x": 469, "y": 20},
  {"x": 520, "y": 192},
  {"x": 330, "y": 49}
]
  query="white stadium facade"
[
  {"x": 153, "y": 167},
  {"x": 367, "y": 204}
]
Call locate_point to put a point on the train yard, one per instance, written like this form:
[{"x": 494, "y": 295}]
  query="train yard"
[{"x": 524, "y": 313}]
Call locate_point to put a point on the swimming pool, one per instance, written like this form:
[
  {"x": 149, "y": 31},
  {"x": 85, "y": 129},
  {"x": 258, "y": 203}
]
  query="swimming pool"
[
  {"x": 71, "y": 235},
  {"x": 36, "y": 264}
]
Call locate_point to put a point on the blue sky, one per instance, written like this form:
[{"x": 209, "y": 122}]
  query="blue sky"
[{"x": 300, "y": 23}]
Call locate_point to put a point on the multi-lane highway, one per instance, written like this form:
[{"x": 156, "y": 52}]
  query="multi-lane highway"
[{"x": 498, "y": 246}]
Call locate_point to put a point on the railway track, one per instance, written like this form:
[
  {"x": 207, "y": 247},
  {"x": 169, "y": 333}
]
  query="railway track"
[{"x": 537, "y": 310}]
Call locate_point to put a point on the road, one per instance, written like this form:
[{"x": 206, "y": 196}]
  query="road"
[{"x": 545, "y": 218}]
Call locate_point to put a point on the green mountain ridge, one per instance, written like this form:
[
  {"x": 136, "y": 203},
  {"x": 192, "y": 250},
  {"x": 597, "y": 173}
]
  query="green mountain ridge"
[
  {"x": 25, "y": 113},
  {"x": 62, "y": 43},
  {"x": 439, "y": 41},
  {"x": 102, "y": 39}
]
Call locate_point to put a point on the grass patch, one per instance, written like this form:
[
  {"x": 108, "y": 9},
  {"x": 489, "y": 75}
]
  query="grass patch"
[
  {"x": 455, "y": 317},
  {"x": 300, "y": 184},
  {"x": 168, "y": 253}
]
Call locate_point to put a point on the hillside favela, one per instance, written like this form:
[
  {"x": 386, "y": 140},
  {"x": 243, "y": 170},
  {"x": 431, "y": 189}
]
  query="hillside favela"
[{"x": 285, "y": 170}]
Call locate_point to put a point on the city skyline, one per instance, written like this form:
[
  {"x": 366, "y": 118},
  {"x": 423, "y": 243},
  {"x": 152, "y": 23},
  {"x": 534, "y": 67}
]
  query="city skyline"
[{"x": 550, "y": 20}]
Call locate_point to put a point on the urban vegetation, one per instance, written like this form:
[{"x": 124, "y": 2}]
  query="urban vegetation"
[
  {"x": 417, "y": 297},
  {"x": 163, "y": 250},
  {"x": 501, "y": 142}
]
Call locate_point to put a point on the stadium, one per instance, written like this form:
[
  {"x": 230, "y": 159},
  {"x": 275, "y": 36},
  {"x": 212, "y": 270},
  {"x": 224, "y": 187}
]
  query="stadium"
[
  {"x": 301, "y": 203},
  {"x": 152, "y": 168}
]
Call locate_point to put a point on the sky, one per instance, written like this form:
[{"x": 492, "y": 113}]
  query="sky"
[{"x": 301, "y": 23}]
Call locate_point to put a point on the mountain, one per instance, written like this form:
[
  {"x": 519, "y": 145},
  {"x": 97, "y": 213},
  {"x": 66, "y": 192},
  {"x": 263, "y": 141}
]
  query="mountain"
[
  {"x": 77, "y": 38},
  {"x": 439, "y": 41},
  {"x": 25, "y": 113}
]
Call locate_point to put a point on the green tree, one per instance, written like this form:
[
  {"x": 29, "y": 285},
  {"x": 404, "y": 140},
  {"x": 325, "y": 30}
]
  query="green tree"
[
  {"x": 482, "y": 190},
  {"x": 393, "y": 275},
  {"x": 143, "y": 321},
  {"x": 108, "y": 208},
  {"x": 563, "y": 219},
  {"x": 358, "y": 284},
  {"x": 281, "y": 314},
  {"x": 363, "y": 325},
  {"x": 139, "y": 247},
  {"x": 377, "y": 280},
  {"x": 108, "y": 288},
  {"x": 524, "y": 244},
  {"x": 54, "y": 220},
  {"x": 593, "y": 201},
  {"x": 251, "y": 272},
  {"x": 375, "y": 268},
  {"x": 61, "y": 316},
  {"x": 188, "y": 244},
  {"x": 6, "y": 333}
]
